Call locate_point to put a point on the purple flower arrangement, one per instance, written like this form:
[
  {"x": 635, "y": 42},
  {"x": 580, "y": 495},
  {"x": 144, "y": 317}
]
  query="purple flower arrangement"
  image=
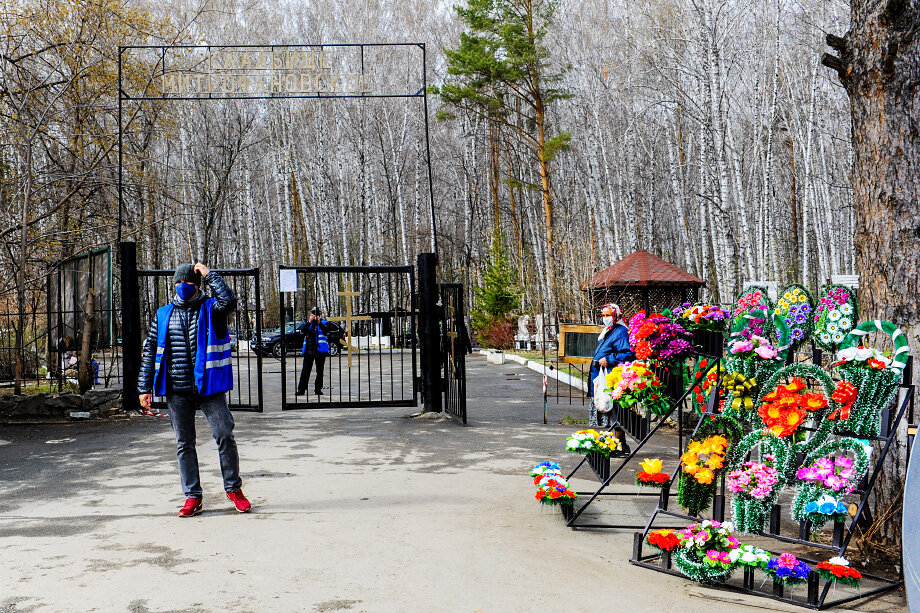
[
  {"x": 788, "y": 569},
  {"x": 797, "y": 319},
  {"x": 836, "y": 474},
  {"x": 677, "y": 349},
  {"x": 702, "y": 317},
  {"x": 656, "y": 337},
  {"x": 795, "y": 306}
]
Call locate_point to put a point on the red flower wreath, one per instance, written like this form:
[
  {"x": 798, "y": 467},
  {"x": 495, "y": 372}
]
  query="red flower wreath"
[
  {"x": 839, "y": 572},
  {"x": 665, "y": 540}
]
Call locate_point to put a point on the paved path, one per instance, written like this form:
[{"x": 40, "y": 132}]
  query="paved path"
[{"x": 355, "y": 510}]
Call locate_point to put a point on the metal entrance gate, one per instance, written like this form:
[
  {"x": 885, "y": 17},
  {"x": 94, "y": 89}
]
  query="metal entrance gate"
[
  {"x": 372, "y": 327},
  {"x": 454, "y": 344},
  {"x": 157, "y": 289}
]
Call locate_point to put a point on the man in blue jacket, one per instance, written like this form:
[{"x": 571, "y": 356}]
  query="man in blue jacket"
[
  {"x": 187, "y": 359},
  {"x": 315, "y": 349}
]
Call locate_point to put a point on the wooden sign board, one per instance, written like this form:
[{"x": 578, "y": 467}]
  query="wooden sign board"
[{"x": 577, "y": 343}]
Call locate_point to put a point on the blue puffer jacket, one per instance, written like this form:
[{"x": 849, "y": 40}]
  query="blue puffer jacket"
[
  {"x": 615, "y": 347},
  {"x": 182, "y": 338}
]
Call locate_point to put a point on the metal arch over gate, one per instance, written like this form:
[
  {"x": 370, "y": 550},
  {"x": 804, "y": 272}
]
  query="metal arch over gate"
[
  {"x": 372, "y": 333},
  {"x": 267, "y": 72},
  {"x": 201, "y": 73}
]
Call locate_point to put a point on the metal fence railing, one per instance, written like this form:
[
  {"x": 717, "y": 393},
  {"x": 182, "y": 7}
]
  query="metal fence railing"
[{"x": 43, "y": 331}]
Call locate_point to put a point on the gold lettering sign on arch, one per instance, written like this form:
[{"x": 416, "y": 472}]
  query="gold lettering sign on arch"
[{"x": 287, "y": 71}]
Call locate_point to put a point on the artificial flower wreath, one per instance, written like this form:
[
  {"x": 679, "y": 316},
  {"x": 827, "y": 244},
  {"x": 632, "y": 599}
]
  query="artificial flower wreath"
[
  {"x": 651, "y": 475},
  {"x": 838, "y": 569},
  {"x": 704, "y": 461}
]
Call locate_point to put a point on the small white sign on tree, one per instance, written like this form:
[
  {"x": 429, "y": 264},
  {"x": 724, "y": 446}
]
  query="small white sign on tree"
[{"x": 851, "y": 281}]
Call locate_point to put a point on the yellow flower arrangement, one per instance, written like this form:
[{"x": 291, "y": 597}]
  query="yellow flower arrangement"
[
  {"x": 651, "y": 475},
  {"x": 614, "y": 376},
  {"x": 702, "y": 469}
]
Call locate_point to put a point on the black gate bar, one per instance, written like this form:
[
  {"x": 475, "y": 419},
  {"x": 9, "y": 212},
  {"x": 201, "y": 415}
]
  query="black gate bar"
[
  {"x": 406, "y": 273},
  {"x": 237, "y": 403}
]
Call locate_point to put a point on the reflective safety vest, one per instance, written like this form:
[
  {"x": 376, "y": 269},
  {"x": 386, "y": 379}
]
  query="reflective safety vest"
[
  {"x": 322, "y": 343},
  {"x": 213, "y": 361}
]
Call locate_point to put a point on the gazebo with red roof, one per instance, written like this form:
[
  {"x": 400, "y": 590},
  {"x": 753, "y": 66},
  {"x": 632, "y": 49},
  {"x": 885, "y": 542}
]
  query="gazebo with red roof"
[{"x": 642, "y": 280}]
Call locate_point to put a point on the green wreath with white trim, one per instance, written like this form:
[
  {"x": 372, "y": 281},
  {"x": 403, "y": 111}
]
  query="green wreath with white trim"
[
  {"x": 807, "y": 492},
  {"x": 696, "y": 569},
  {"x": 876, "y": 387},
  {"x": 749, "y": 513}
]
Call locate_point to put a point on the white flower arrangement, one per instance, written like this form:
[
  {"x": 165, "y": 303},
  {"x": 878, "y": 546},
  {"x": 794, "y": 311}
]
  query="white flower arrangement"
[
  {"x": 750, "y": 556},
  {"x": 862, "y": 354}
]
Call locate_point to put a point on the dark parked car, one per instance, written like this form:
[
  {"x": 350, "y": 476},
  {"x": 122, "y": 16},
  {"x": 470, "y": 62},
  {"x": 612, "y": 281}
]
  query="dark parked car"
[
  {"x": 234, "y": 339},
  {"x": 270, "y": 343}
]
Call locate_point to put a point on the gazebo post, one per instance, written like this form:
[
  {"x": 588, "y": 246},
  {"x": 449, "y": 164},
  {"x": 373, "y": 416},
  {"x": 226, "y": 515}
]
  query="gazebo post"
[{"x": 645, "y": 300}]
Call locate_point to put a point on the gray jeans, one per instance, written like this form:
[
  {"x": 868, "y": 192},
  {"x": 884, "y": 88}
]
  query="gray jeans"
[
  {"x": 182, "y": 409},
  {"x": 597, "y": 419}
]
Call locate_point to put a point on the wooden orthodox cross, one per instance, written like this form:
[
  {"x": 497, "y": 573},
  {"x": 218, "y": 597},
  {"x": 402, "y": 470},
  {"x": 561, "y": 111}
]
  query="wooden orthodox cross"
[{"x": 349, "y": 317}]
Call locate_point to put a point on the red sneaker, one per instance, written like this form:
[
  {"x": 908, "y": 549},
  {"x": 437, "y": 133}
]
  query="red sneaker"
[
  {"x": 237, "y": 498},
  {"x": 191, "y": 507}
]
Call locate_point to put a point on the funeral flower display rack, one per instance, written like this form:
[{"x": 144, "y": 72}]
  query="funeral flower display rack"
[
  {"x": 655, "y": 484},
  {"x": 646, "y": 393},
  {"x": 772, "y": 426}
]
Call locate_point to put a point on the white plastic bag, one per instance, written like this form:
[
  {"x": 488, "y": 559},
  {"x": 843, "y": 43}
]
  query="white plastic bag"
[{"x": 602, "y": 400}]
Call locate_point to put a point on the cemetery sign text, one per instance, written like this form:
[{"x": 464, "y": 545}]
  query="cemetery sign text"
[{"x": 277, "y": 71}]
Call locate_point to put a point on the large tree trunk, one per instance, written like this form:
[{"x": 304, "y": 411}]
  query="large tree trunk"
[
  {"x": 879, "y": 65},
  {"x": 85, "y": 372}
]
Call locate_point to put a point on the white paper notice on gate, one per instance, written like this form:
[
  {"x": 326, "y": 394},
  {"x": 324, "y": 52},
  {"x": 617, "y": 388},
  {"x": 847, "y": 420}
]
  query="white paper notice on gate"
[{"x": 288, "y": 280}]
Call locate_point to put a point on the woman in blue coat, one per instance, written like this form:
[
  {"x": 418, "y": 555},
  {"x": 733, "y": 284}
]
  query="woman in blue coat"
[{"x": 612, "y": 349}]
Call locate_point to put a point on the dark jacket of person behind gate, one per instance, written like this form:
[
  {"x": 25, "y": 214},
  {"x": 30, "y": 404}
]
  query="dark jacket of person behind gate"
[
  {"x": 315, "y": 350},
  {"x": 316, "y": 339}
]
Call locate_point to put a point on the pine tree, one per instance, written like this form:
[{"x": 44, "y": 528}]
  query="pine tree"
[
  {"x": 879, "y": 66},
  {"x": 496, "y": 298},
  {"x": 502, "y": 71}
]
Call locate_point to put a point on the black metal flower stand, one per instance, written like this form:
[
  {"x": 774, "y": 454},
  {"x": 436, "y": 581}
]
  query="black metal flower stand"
[
  {"x": 640, "y": 427},
  {"x": 816, "y": 596}
]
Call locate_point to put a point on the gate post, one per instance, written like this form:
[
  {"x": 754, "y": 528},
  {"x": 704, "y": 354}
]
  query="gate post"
[
  {"x": 429, "y": 331},
  {"x": 130, "y": 325}
]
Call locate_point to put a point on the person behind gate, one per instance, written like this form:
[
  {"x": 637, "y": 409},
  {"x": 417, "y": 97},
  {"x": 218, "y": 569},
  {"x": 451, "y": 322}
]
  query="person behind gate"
[
  {"x": 187, "y": 359},
  {"x": 612, "y": 349},
  {"x": 315, "y": 349}
]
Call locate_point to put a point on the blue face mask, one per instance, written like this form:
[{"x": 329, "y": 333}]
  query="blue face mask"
[{"x": 186, "y": 290}]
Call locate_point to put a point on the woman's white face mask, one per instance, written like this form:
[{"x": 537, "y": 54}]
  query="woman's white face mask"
[{"x": 608, "y": 320}]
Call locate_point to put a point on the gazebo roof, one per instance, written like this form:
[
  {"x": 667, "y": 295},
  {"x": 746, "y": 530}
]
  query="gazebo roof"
[{"x": 642, "y": 269}]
